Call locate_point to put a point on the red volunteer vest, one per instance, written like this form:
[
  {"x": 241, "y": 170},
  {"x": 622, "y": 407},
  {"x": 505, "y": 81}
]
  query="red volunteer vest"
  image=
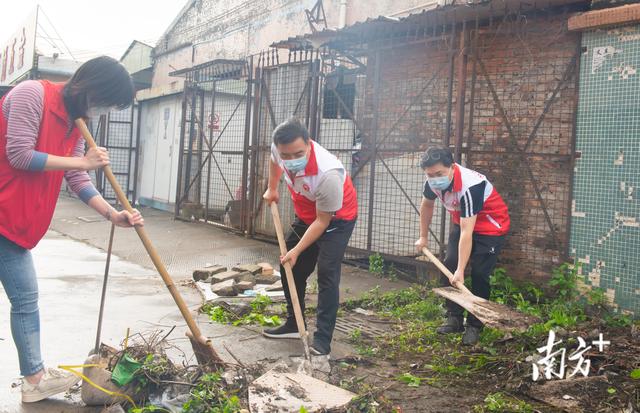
[
  {"x": 28, "y": 198},
  {"x": 493, "y": 219},
  {"x": 304, "y": 207}
]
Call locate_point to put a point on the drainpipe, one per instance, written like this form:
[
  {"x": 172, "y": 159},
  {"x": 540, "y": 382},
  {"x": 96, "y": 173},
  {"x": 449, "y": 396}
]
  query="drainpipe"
[{"x": 343, "y": 14}]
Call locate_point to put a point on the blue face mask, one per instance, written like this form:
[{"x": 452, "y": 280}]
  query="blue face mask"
[
  {"x": 295, "y": 165},
  {"x": 440, "y": 183}
]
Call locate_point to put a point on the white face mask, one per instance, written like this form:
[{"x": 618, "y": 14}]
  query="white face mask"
[{"x": 98, "y": 111}]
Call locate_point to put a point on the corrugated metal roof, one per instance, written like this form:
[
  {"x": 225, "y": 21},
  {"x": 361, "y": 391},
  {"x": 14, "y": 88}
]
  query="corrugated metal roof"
[{"x": 454, "y": 11}]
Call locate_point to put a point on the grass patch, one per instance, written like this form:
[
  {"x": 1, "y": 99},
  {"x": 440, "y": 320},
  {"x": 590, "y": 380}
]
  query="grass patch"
[{"x": 257, "y": 315}]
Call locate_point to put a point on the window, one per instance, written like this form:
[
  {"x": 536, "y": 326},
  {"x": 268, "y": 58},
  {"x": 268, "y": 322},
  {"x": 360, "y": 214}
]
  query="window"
[{"x": 339, "y": 86}]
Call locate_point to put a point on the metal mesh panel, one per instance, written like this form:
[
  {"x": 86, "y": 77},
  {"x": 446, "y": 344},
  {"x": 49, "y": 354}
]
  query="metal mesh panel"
[
  {"x": 522, "y": 132},
  {"x": 605, "y": 231},
  {"x": 402, "y": 116},
  {"x": 285, "y": 92},
  {"x": 215, "y": 157},
  {"x": 118, "y": 135}
]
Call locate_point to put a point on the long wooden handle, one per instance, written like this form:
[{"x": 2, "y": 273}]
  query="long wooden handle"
[
  {"x": 445, "y": 270},
  {"x": 297, "y": 310},
  {"x": 146, "y": 241}
]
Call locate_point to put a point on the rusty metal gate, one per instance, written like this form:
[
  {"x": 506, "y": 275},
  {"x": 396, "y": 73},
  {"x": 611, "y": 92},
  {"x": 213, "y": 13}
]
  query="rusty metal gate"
[
  {"x": 522, "y": 93},
  {"x": 118, "y": 133},
  {"x": 283, "y": 90},
  {"x": 501, "y": 92},
  {"x": 214, "y": 160}
]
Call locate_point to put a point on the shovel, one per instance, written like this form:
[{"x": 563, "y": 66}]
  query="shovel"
[
  {"x": 279, "y": 390},
  {"x": 204, "y": 351},
  {"x": 498, "y": 316},
  {"x": 306, "y": 365}
]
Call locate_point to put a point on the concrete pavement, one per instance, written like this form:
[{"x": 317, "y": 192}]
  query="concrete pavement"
[{"x": 70, "y": 264}]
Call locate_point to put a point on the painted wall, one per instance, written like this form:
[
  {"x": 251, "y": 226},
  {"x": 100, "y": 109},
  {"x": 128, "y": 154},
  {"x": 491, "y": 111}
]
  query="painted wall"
[
  {"x": 605, "y": 231},
  {"x": 159, "y": 143}
]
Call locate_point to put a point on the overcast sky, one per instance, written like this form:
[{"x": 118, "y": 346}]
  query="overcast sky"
[{"x": 92, "y": 27}]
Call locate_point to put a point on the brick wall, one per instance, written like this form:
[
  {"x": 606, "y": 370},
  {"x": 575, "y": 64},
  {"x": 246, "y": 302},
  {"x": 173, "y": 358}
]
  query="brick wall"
[{"x": 525, "y": 60}]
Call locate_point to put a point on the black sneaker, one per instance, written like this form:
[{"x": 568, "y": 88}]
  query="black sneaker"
[
  {"x": 452, "y": 325},
  {"x": 284, "y": 331},
  {"x": 316, "y": 351},
  {"x": 471, "y": 335}
]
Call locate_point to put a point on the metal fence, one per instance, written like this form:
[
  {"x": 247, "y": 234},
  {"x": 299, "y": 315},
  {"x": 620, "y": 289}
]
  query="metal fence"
[
  {"x": 214, "y": 158},
  {"x": 501, "y": 92},
  {"x": 118, "y": 133}
]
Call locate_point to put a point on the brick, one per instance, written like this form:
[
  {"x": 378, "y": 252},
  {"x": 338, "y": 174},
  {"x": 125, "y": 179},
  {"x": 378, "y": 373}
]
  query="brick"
[
  {"x": 252, "y": 268},
  {"x": 245, "y": 276},
  {"x": 277, "y": 286},
  {"x": 224, "y": 289},
  {"x": 224, "y": 276},
  {"x": 203, "y": 274},
  {"x": 216, "y": 269},
  {"x": 244, "y": 285},
  {"x": 607, "y": 17},
  {"x": 267, "y": 269},
  {"x": 266, "y": 279}
]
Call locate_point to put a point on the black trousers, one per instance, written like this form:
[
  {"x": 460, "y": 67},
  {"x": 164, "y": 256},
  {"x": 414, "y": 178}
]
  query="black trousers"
[
  {"x": 328, "y": 252},
  {"x": 484, "y": 255}
]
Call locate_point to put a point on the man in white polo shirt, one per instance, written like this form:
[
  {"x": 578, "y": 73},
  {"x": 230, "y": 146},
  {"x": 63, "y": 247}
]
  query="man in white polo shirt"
[
  {"x": 480, "y": 223},
  {"x": 326, "y": 208}
]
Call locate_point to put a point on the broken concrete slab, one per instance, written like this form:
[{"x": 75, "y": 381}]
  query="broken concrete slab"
[
  {"x": 252, "y": 268},
  {"x": 267, "y": 269},
  {"x": 266, "y": 279},
  {"x": 288, "y": 392},
  {"x": 224, "y": 276},
  {"x": 245, "y": 276},
  {"x": 225, "y": 288},
  {"x": 204, "y": 273},
  {"x": 244, "y": 285},
  {"x": 277, "y": 286}
]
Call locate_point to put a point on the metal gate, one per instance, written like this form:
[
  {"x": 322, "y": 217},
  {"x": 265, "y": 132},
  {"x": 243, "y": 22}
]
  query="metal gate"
[
  {"x": 118, "y": 133},
  {"x": 283, "y": 90},
  {"x": 214, "y": 160},
  {"x": 521, "y": 131}
]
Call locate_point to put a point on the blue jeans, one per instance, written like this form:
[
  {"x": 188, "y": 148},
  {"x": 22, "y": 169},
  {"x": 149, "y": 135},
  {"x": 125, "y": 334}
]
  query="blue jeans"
[{"x": 18, "y": 277}]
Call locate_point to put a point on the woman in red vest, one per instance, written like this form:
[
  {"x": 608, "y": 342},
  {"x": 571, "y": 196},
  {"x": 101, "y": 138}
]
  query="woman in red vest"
[{"x": 39, "y": 146}]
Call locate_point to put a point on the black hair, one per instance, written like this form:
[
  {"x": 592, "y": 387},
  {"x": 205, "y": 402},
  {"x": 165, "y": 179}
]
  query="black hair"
[
  {"x": 290, "y": 130},
  {"x": 101, "y": 81},
  {"x": 436, "y": 155}
]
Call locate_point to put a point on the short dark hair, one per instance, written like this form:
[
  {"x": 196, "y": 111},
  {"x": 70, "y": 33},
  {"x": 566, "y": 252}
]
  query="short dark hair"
[
  {"x": 436, "y": 155},
  {"x": 290, "y": 130},
  {"x": 101, "y": 81}
]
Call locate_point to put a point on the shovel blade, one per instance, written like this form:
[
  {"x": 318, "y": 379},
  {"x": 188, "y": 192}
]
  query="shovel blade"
[{"x": 494, "y": 315}]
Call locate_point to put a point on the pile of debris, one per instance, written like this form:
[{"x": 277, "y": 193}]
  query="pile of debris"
[{"x": 241, "y": 279}]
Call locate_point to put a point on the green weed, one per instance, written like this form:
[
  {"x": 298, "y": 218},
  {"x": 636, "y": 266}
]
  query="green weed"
[{"x": 500, "y": 403}]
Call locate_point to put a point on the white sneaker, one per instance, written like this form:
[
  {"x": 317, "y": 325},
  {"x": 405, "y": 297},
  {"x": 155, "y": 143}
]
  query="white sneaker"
[{"x": 54, "y": 381}]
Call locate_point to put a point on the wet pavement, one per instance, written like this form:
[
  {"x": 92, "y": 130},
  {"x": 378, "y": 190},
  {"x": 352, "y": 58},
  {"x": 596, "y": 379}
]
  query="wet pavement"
[
  {"x": 70, "y": 265},
  {"x": 70, "y": 276}
]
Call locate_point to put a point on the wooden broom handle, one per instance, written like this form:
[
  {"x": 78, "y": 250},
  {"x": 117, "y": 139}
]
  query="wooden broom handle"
[
  {"x": 146, "y": 241},
  {"x": 288, "y": 271},
  {"x": 444, "y": 270}
]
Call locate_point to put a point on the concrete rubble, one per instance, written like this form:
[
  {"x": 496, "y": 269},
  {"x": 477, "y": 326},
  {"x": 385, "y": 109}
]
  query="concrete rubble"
[{"x": 241, "y": 278}]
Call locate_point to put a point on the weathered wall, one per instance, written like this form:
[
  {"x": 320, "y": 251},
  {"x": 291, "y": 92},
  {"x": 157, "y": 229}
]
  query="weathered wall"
[
  {"x": 234, "y": 29},
  {"x": 605, "y": 232}
]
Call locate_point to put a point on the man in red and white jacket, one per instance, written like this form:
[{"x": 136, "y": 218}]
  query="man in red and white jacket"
[
  {"x": 326, "y": 207},
  {"x": 480, "y": 223}
]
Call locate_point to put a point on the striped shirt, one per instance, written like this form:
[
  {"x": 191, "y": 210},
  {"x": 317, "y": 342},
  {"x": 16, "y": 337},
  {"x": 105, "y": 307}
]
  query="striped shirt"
[{"x": 22, "y": 108}]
